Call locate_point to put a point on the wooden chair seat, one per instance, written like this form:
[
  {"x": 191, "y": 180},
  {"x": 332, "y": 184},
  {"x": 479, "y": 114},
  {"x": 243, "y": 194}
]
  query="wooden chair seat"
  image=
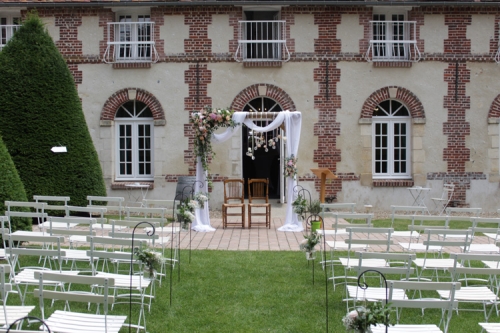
[
  {"x": 258, "y": 202},
  {"x": 234, "y": 202}
]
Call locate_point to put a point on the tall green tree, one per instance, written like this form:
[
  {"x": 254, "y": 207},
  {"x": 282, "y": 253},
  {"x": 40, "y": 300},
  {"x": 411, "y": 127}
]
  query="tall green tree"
[
  {"x": 40, "y": 109},
  {"x": 11, "y": 188}
]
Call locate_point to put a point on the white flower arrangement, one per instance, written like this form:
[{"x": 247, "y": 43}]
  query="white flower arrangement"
[
  {"x": 201, "y": 198},
  {"x": 193, "y": 204}
]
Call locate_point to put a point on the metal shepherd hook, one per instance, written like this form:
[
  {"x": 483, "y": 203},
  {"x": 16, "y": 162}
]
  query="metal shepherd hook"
[
  {"x": 364, "y": 286},
  {"x": 149, "y": 233},
  {"x": 28, "y": 318}
]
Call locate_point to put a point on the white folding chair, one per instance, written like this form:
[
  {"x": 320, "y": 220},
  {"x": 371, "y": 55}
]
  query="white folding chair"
[
  {"x": 51, "y": 198},
  {"x": 476, "y": 293},
  {"x": 442, "y": 202},
  {"x": 344, "y": 207},
  {"x": 339, "y": 229},
  {"x": 446, "y": 306},
  {"x": 117, "y": 204},
  {"x": 14, "y": 209},
  {"x": 93, "y": 212},
  {"x": 490, "y": 327},
  {"x": 490, "y": 228},
  {"x": 75, "y": 237},
  {"x": 405, "y": 213},
  {"x": 50, "y": 251},
  {"x": 170, "y": 205},
  {"x": 419, "y": 223},
  {"x": 362, "y": 239},
  {"x": 133, "y": 288},
  {"x": 69, "y": 321},
  {"x": 429, "y": 261},
  {"x": 380, "y": 262},
  {"x": 11, "y": 313}
]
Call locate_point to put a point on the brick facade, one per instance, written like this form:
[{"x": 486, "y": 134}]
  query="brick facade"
[
  {"x": 403, "y": 95},
  {"x": 118, "y": 98},
  {"x": 327, "y": 55}
]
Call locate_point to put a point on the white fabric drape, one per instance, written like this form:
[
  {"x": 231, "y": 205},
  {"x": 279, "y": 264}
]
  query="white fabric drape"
[
  {"x": 202, "y": 216},
  {"x": 293, "y": 121}
]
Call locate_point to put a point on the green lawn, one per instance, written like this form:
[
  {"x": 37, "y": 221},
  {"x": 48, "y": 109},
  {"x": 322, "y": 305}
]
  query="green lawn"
[{"x": 258, "y": 291}]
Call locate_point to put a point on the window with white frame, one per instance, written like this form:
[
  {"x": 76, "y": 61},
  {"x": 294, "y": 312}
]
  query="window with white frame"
[
  {"x": 391, "y": 141},
  {"x": 134, "y": 141},
  {"x": 262, "y": 37},
  {"x": 131, "y": 39},
  {"x": 392, "y": 37},
  {"x": 8, "y": 25}
]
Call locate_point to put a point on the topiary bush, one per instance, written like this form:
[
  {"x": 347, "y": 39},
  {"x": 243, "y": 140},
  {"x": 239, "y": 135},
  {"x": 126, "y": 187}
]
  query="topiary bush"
[
  {"x": 11, "y": 188},
  {"x": 40, "y": 109}
]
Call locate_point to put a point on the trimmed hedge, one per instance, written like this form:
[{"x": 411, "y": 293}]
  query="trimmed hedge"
[
  {"x": 40, "y": 109},
  {"x": 11, "y": 188}
]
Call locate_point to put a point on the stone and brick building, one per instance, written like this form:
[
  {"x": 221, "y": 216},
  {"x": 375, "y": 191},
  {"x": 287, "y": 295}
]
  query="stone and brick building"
[{"x": 393, "y": 94}]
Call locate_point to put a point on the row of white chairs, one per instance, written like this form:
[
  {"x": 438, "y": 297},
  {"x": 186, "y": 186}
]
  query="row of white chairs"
[
  {"x": 411, "y": 269},
  {"x": 470, "y": 285},
  {"x": 118, "y": 286}
]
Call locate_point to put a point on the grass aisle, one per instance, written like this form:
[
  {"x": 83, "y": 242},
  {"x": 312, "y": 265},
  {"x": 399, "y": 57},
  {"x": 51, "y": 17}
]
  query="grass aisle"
[
  {"x": 250, "y": 291},
  {"x": 224, "y": 291}
]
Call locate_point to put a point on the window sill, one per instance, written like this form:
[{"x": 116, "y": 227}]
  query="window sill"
[
  {"x": 131, "y": 65},
  {"x": 393, "y": 183},
  {"x": 118, "y": 185},
  {"x": 398, "y": 64},
  {"x": 251, "y": 64}
]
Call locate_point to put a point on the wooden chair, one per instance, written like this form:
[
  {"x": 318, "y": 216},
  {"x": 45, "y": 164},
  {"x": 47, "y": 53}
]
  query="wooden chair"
[
  {"x": 258, "y": 190},
  {"x": 234, "y": 202}
]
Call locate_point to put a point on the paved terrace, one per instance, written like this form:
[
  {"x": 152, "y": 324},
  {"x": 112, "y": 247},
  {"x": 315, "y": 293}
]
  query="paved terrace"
[{"x": 260, "y": 238}]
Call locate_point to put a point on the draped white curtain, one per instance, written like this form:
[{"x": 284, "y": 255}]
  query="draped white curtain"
[{"x": 293, "y": 122}]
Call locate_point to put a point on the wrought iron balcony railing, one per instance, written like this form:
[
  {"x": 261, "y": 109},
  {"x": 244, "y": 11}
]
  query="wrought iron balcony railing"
[
  {"x": 393, "y": 41},
  {"x": 262, "y": 41},
  {"x": 131, "y": 42}
]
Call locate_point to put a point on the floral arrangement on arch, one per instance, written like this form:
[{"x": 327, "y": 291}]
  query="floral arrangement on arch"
[
  {"x": 362, "y": 318},
  {"x": 291, "y": 166},
  {"x": 204, "y": 123}
]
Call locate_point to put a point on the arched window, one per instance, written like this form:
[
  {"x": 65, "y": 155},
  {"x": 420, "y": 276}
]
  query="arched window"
[
  {"x": 391, "y": 140},
  {"x": 134, "y": 137}
]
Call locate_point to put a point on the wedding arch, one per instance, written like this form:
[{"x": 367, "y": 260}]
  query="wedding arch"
[{"x": 292, "y": 122}]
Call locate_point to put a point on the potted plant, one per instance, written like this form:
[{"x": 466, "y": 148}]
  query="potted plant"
[
  {"x": 300, "y": 206},
  {"x": 309, "y": 243},
  {"x": 149, "y": 258},
  {"x": 362, "y": 318},
  {"x": 314, "y": 210}
]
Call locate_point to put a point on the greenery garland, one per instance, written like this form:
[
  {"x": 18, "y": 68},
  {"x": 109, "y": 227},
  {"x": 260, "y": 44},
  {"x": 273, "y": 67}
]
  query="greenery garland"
[{"x": 205, "y": 123}]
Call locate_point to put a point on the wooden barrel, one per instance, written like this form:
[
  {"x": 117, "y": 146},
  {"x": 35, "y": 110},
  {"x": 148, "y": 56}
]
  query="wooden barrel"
[{"x": 185, "y": 187}]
